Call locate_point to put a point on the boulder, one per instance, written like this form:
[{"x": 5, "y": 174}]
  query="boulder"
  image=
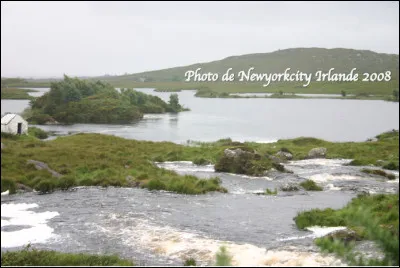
[
  {"x": 40, "y": 165},
  {"x": 284, "y": 155},
  {"x": 276, "y": 159},
  {"x": 239, "y": 161},
  {"x": 317, "y": 153},
  {"x": 24, "y": 188},
  {"x": 345, "y": 235}
]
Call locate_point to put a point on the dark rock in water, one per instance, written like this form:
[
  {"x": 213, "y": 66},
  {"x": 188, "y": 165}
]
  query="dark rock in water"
[
  {"x": 317, "y": 153},
  {"x": 276, "y": 159},
  {"x": 284, "y": 155},
  {"x": 24, "y": 188},
  {"x": 290, "y": 187},
  {"x": 345, "y": 235},
  {"x": 240, "y": 161}
]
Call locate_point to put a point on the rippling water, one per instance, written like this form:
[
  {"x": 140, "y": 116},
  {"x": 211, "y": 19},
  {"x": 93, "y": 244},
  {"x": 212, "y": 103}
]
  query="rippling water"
[{"x": 162, "y": 228}]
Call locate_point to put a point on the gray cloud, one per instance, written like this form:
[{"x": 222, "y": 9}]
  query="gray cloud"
[{"x": 43, "y": 39}]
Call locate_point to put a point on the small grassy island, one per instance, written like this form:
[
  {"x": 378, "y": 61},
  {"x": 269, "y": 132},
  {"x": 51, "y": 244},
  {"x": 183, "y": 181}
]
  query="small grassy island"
[
  {"x": 77, "y": 101},
  {"x": 16, "y": 94}
]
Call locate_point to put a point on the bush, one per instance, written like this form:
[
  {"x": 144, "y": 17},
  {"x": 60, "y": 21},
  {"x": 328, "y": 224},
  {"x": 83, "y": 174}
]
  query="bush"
[
  {"x": 325, "y": 217},
  {"x": 190, "y": 262},
  {"x": 156, "y": 184},
  {"x": 391, "y": 166},
  {"x": 66, "y": 182},
  {"x": 86, "y": 182},
  {"x": 270, "y": 192},
  {"x": 8, "y": 184},
  {"x": 201, "y": 161},
  {"x": 223, "y": 258},
  {"x": 310, "y": 185},
  {"x": 38, "y": 133},
  {"x": 45, "y": 186}
]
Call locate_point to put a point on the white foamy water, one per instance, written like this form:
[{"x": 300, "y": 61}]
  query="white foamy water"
[
  {"x": 324, "y": 177},
  {"x": 180, "y": 245},
  {"x": 36, "y": 231},
  {"x": 320, "y": 231},
  {"x": 185, "y": 166},
  {"x": 320, "y": 162},
  {"x": 317, "y": 231}
]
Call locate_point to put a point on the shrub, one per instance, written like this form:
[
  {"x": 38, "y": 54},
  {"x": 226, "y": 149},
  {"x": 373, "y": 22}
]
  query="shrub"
[
  {"x": 270, "y": 192},
  {"x": 201, "y": 161},
  {"x": 223, "y": 258},
  {"x": 391, "y": 166},
  {"x": 325, "y": 217},
  {"x": 310, "y": 185},
  {"x": 45, "y": 186},
  {"x": 156, "y": 184},
  {"x": 86, "y": 182},
  {"x": 38, "y": 133},
  {"x": 190, "y": 262},
  {"x": 8, "y": 184},
  {"x": 66, "y": 182}
]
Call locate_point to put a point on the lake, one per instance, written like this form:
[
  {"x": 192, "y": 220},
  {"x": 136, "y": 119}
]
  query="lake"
[{"x": 257, "y": 119}]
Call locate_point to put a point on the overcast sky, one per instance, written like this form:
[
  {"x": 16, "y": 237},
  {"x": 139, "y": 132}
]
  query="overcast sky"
[{"x": 43, "y": 39}]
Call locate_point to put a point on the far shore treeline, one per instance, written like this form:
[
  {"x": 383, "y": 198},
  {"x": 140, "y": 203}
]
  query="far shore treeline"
[{"x": 78, "y": 101}]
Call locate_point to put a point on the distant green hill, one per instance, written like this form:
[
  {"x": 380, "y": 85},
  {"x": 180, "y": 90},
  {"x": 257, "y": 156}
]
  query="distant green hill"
[{"x": 307, "y": 60}]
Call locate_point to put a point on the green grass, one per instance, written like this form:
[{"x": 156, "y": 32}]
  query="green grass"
[
  {"x": 34, "y": 257},
  {"x": 374, "y": 217},
  {"x": 38, "y": 133},
  {"x": 223, "y": 258},
  {"x": 310, "y": 185},
  {"x": 16, "y": 94},
  {"x": 379, "y": 173},
  {"x": 385, "y": 208},
  {"x": 270, "y": 192},
  {"x": 103, "y": 160},
  {"x": 190, "y": 262},
  {"x": 100, "y": 160}
]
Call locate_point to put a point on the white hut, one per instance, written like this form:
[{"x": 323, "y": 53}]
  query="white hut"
[{"x": 14, "y": 124}]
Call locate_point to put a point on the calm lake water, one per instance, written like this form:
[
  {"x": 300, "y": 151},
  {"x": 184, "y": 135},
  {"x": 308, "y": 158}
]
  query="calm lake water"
[{"x": 262, "y": 120}]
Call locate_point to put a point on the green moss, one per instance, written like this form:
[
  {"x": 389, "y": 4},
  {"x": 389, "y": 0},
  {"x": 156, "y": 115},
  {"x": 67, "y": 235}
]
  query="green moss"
[{"x": 310, "y": 185}]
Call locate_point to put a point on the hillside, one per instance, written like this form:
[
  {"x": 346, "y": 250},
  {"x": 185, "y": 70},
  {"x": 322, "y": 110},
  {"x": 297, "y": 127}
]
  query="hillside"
[{"x": 307, "y": 60}]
